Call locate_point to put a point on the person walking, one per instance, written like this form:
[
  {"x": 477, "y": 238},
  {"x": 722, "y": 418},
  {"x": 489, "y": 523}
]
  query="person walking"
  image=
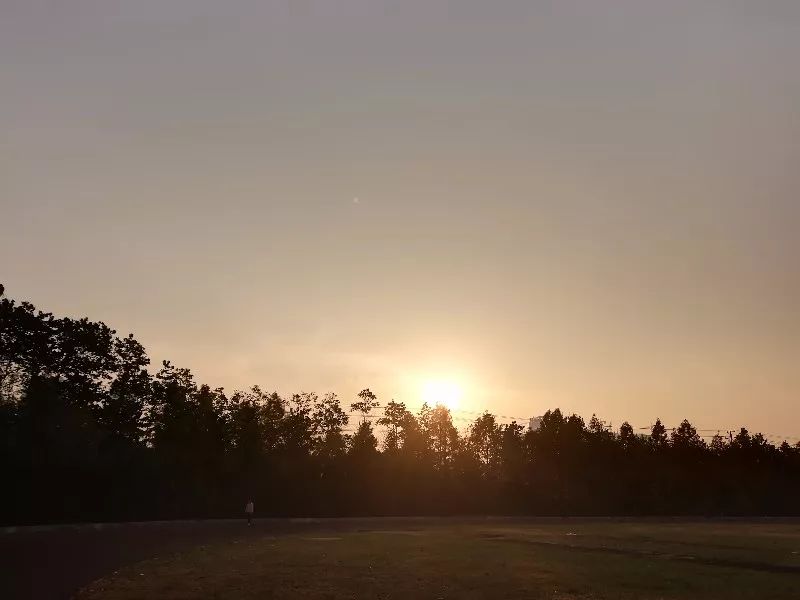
[{"x": 248, "y": 510}]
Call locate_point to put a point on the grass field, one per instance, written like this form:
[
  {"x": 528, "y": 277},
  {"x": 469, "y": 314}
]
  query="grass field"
[{"x": 481, "y": 559}]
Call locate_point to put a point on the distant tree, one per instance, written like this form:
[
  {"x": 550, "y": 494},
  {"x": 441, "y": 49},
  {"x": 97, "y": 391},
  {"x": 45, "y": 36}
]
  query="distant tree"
[
  {"x": 626, "y": 435},
  {"x": 424, "y": 417},
  {"x": 273, "y": 411},
  {"x": 484, "y": 439},
  {"x": 718, "y": 445},
  {"x": 247, "y": 432},
  {"x": 83, "y": 355},
  {"x": 129, "y": 393},
  {"x": 596, "y": 426},
  {"x": 366, "y": 403},
  {"x": 329, "y": 420},
  {"x": 297, "y": 425},
  {"x": 396, "y": 419},
  {"x": 685, "y": 437},
  {"x": 512, "y": 453},
  {"x": 209, "y": 426},
  {"x": 171, "y": 417},
  {"x": 27, "y": 340},
  {"x": 552, "y": 422},
  {"x": 364, "y": 441},
  {"x": 416, "y": 444},
  {"x": 443, "y": 436},
  {"x": 658, "y": 435},
  {"x": 742, "y": 441}
]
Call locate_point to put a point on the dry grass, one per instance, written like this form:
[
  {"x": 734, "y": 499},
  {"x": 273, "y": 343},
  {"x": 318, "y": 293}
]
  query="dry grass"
[{"x": 554, "y": 561}]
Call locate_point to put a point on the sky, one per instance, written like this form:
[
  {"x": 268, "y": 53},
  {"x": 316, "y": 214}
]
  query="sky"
[{"x": 576, "y": 204}]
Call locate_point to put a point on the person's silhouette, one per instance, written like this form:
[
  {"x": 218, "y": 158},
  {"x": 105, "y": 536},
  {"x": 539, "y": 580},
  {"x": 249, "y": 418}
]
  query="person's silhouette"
[{"x": 248, "y": 509}]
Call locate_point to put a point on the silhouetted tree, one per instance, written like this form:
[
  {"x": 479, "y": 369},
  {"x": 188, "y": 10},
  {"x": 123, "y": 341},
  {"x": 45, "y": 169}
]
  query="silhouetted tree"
[
  {"x": 484, "y": 439},
  {"x": 84, "y": 420},
  {"x": 367, "y": 402},
  {"x": 441, "y": 435},
  {"x": 395, "y": 419},
  {"x": 364, "y": 441},
  {"x": 329, "y": 419},
  {"x": 658, "y": 435},
  {"x": 685, "y": 438},
  {"x": 627, "y": 437}
]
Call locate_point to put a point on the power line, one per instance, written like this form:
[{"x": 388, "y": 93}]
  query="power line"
[{"x": 709, "y": 433}]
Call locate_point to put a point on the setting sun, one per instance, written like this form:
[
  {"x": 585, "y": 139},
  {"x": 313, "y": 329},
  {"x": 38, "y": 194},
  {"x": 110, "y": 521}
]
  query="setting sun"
[{"x": 440, "y": 391}]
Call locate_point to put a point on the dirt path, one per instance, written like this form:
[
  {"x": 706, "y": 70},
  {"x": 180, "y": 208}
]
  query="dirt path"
[{"x": 54, "y": 562}]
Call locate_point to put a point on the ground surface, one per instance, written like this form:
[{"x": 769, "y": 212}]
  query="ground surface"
[
  {"x": 52, "y": 562},
  {"x": 478, "y": 558}
]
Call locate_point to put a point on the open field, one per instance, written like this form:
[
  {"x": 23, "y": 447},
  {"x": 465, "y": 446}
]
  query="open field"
[{"x": 494, "y": 558}]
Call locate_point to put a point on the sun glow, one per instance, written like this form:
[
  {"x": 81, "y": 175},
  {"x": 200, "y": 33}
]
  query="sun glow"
[{"x": 441, "y": 391}]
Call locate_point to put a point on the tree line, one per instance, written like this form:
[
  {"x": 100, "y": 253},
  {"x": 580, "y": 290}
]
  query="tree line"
[{"x": 88, "y": 431}]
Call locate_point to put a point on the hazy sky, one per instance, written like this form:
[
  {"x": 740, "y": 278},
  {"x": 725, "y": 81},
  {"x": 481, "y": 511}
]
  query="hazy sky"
[{"x": 591, "y": 205}]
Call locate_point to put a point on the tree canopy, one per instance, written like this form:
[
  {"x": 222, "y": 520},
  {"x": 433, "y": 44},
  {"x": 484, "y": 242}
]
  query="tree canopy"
[{"x": 89, "y": 430}]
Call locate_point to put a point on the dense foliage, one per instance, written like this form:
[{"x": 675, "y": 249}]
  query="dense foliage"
[{"x": 89, "y": 432}]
